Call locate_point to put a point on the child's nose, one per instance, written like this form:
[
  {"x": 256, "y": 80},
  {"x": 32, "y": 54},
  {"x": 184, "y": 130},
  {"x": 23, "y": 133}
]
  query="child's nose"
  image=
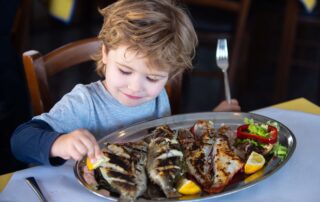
[{"x": 135, "y": 85}]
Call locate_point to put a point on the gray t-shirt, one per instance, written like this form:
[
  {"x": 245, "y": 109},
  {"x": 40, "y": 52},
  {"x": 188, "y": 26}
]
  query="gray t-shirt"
[{"x": 93, "y": 108}]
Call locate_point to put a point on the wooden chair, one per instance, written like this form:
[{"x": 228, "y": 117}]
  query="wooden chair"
[
  {"x": 21, "y": 25},
  {"x": 39, "y": 68},
  {"x": 238, "y": 10}
]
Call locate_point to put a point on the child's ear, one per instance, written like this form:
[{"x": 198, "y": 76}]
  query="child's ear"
[{"x": 104, "y": 54}]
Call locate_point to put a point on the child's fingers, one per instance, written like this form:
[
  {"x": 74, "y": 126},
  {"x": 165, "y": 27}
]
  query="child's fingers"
[
  {"x": 81, "y": 148},
  {"x": 76, "y": 155},
  {"x": 89, "y": 147},
  {"x": 93, "y": 150},
  {"x": 97, "y": 152},
  {"x": 90, "y": 136},
  {"x": 234, "y": 101},
  {"x": 236, "y": 108}
]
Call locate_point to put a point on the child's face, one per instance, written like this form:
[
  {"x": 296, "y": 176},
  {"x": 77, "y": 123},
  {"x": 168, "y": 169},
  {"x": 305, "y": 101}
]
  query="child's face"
[{"x": 129, "y": 79}]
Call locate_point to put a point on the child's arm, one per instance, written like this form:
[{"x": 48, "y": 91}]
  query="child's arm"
[
  {"x": 36, "y": 142},
  {"x": 31, "y": 143}
]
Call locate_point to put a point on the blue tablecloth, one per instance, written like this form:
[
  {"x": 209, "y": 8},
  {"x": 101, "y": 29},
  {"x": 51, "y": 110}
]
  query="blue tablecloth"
[{"x": 298, "y": 180}]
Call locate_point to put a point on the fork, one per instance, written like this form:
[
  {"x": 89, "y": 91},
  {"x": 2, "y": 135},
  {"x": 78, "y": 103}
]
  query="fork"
[{"x": 223, "y": 64}]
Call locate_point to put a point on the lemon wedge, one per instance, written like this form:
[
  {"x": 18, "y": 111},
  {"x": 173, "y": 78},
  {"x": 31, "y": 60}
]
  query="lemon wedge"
[
  {"x": 188, "y": 187},
  {"x": 190, "y": 197},
  {"x": 254, "y": 163},
  {"x": 99, "y": 162},
  {"x": 254, "y": 176}
]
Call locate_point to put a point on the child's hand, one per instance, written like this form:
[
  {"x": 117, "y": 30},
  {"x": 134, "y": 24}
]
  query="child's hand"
[
  {"x": 225, "y": 107},
  {"x": 76, "y": 145}
]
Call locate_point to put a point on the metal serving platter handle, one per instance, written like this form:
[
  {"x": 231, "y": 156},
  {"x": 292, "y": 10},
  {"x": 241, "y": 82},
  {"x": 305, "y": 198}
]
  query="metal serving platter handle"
[{"x": 233, "y": 120}]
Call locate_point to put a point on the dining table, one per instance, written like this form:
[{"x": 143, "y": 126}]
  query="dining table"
[{"x": 298, "y": 180}]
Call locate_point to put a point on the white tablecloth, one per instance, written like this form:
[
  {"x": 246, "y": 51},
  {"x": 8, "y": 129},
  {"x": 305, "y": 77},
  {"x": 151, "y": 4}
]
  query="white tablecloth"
[{"x": 298, "y": 180}]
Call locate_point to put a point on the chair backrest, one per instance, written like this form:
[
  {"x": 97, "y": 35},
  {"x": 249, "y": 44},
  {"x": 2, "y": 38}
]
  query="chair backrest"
[
  {"x": 39, "y": 68},
  {"x": 21, "y": 25}
]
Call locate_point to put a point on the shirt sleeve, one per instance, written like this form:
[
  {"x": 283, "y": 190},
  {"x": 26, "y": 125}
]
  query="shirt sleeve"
[
  {"x": 31, "y": 143},
  {"x": 71, "y": 112}
]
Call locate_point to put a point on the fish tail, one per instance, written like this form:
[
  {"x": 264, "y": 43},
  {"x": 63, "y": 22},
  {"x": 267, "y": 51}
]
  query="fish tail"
[
  {"x": 125, "y": 198},
  {"x": 172, "y": 193}
]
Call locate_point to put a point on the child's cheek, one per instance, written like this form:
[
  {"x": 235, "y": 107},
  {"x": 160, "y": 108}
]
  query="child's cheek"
[
  {"x": 118, "y": 80},
  {"x": 155, "y": 90}
]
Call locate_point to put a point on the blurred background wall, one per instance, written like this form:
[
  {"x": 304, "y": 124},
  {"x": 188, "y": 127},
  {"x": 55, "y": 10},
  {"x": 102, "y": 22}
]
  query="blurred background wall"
[{"x": 260, "y": 51}]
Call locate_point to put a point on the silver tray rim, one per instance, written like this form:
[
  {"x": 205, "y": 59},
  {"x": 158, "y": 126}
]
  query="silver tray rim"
[{"x": 219, "y": 118}]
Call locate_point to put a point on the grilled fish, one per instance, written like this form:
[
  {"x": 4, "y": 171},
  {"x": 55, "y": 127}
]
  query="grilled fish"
[
  {"x": 197, "y": 147},
  {"x": 208, "y": 156},
  {"x": 124, "y": 172},
  {"x": 165, "y": 161},
  {"x": 226, "y": 164},
  {"x": 201, "y": 152}
]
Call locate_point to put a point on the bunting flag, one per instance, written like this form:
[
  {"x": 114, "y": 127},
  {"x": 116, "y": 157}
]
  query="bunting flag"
[
  {"x": 62, "y": 9},
  {"x": 309, "y": 4}
]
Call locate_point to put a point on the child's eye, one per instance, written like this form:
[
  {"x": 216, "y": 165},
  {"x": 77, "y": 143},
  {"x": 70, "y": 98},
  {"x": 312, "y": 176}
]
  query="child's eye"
[
  {"x": 153, "y": 80},
  {"x": 125, "y": 72}
]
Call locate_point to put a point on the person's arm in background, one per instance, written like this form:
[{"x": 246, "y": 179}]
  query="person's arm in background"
[{"x": 224, "y": 106}]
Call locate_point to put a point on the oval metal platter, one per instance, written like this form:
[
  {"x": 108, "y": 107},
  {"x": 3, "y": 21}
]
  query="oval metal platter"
[{"x": 233, "y": 120}]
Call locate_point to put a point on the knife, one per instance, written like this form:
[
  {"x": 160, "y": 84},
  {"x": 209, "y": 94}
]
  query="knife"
[{"x": 31, "y": 181}]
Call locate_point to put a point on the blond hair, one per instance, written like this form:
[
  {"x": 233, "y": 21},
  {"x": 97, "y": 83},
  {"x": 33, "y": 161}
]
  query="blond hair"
[{"x": 158, "y": 29}]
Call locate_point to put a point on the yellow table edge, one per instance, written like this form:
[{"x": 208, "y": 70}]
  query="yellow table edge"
[
  {"x": 4, "y": 179},
  {"x": 299, "y": 104}
]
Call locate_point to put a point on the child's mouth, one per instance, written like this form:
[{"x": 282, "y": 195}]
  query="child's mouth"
[{"x": 132, "y": 96}]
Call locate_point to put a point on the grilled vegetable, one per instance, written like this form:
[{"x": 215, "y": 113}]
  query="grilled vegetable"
[
  {"x": 255, "y": 132},
  {"x": 259, "y": 137}
]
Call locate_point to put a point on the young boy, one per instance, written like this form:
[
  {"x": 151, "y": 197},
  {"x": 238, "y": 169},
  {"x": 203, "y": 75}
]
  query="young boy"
[{"x": 145, "y": 43}]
